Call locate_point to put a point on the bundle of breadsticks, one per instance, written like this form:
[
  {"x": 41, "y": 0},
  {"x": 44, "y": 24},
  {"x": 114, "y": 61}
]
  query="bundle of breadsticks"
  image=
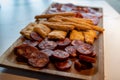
[{"x": 58, "y": 25}]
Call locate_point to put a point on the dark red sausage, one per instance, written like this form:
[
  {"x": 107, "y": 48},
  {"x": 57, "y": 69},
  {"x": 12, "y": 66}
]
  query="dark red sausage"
[
  {"x": 77, "y": 65},
  {"x": 76, "y": 42},
  {"x": 93, "y": 54},
  {"x": 48, "y": 52},
  {"x": 26, "y": 51},
  {"x": 45, "y": 44},
  {"x": 21, "y": 59},
  {"x": 71, "y": 50},
  {"x": 64, "y": 42},
  {"x": 63, "y": 65},
  {"x": 40, "y": 61},
  {"x": 87, "y": 59},
  {"x": 60, "y": 55},
  {"x": 86, "y": 65},
  {"x": 85, "y": 49},
  {"x": 35, "y": 36},
  {"x": 31, "y": 42}
]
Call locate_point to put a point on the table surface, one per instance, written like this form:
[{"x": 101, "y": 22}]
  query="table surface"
[{"x": 16, "y": 14}]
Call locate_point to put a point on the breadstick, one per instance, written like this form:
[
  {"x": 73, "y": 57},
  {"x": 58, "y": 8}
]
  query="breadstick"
[
  {"x": 84, "y": 24},
  {"x": 58, "y": 26},
  {"x": 51, "y": 15}
]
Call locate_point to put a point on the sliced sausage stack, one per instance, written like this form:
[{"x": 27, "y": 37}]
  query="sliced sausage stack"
[{"x": 39, "y": 52}]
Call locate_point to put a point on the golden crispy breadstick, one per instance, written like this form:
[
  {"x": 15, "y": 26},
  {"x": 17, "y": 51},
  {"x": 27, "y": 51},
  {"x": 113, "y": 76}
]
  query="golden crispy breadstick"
[
  {"x": 51, "y": 15},
  {"x": 82, "y": 20},
  {"x": 55, "y": 19},
  {"x": 90, "y": 36},
  {"x": 59, "y": 19},
  {"x": 58, "y": 26},
  {"x": 97, "y": 28},
  {"x": 84, "y": 24},
  {"x": 77, "y": 26},
  {"x": 76, "y": 35}
]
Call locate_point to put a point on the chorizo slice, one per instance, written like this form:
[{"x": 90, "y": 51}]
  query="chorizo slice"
[
  {"x": 48, "y": 52},
  {"x": 47, "y": 44},
  {"x": 77, "y": 65},
  {"x": 21, "y": 59},
  {"x": 94, "y": 54},
  {"x": 71, "y": 50},
  {"x": 26, "y": 51},
  {"x": 63, "y": 42},
  {"x": 86, "y": 65},
  {"x": 65, "y": 65},
  {"x": 31, "y": 42},
  {"x": 40, "y": 61},
  {"x": 35, "y": 36},
  {"x": 82, "y": 65},
  {"x": 76, "y": 42},
  {"x": 87, "y": 59},
  {"x": 85, "y": 49},
  {"x": 60, "y": 55}
]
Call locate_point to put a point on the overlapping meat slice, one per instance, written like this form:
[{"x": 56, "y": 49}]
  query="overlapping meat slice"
[
  {"x": 60, "y": 55},
  {"x": 71, "y": 50},
  {"x": 46, "y": 44},
  {"x": 87, "y": 59},
  {"x": 41, "y": 60},
  {"x": 63, "y": 65},
  {"x": 85, "y": 49},
  {"x": 82, "y": 65},
  {"x": 33, "y": 55},
  {"x": 31, "y": 42},
  {"x": 48, "y": 52},
  {"x": 64, "y": 42},
  {"x": 35, "y": 36}
]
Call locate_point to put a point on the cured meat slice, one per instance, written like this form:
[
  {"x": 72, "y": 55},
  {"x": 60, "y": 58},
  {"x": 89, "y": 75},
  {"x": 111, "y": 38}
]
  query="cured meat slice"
[
  {"x": 31, "y": 42},
  {"x": 40, "y": 61},
  {"x": 76, "y": 42},
  {"x": 47, "y": 44},
  {"x": 60, "y": 55},
  {"x": 87, "y": 59},
  {"x": 64, "y": 42},
  {"x": 77, "y": 65},
  {"x": 48, "y": 52},
  {"x": 63, "y": 65},
  {"x": 26, "y": 51},
  {"x": 35, "y": 36},
  {"x": 71, "y": 50},
  {"x": 85, "y": 49}
]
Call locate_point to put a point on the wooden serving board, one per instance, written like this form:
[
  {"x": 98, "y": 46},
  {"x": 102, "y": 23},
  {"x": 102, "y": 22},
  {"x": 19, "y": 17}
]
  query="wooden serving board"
[{"x": 8, "y": 59}]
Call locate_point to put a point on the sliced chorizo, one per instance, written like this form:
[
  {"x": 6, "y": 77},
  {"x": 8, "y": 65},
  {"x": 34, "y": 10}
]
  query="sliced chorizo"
[
  {"x": 86, "y": 65},
  {"x": 85, "y": 49},
  {"x": 71, "y": 50},
  {"x": 76, "y": 42},
  {"x": 64, "y": 42},
  {"x": 35, "y": 36},
  {"x": 93, "y": 54},
  {"x": 26, "y": 50},
  {"x": 87, "y": 59},
  {"x": 65, "y": 65},
  {"x": 77, "y": 65},
  {"x": 60, "y": 55},
  {"x": 31, "y": 42},
  {"x": 40, "y": 61},
  {"x": 48, "y": 52},
  {"x": 45, "y": 44}
]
